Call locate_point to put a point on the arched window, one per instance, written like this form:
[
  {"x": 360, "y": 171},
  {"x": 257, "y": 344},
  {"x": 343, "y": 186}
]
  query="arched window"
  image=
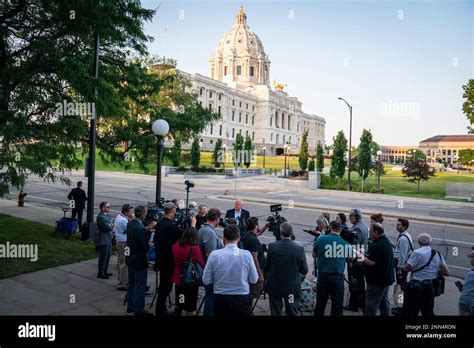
[
  {"x": 276, "y": 119},
  {"x": 277, "y": 139},
  {"x": 283, "y": 120},
  {"x": 271, "y": 136},
  {"x": 289, "y": 122}
]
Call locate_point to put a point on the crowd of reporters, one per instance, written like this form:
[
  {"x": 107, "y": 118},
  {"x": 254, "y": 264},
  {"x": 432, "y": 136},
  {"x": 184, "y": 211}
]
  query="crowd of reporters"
[{"x": 237, "y": 271}]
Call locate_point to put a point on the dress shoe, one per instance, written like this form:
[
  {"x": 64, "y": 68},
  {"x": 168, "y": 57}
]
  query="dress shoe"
[
  {"x": 122, "y": 288},
  {"x": 143, "y": 313},
  {"x": 396, "y": 311},
  {"x": 101, "y": 276},
  {"x": 110, "y": 274},
  {"x": 350, "y": 309}
]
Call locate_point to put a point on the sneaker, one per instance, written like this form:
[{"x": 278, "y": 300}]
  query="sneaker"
[
  {"x": 143, "y": 313},
  {"x": 130, "y": 312},
  {"x": 122, "y": 288},
  {"x": 101, "y": 276},
  {"x": 350, "y": 309}
]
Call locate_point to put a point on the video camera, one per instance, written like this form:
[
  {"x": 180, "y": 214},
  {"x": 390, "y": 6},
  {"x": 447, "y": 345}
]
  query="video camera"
[{"x": 276, "y": 220}]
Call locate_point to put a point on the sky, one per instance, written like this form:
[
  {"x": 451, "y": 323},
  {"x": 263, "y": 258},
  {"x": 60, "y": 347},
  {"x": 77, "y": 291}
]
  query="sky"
[{"x": 400, "y": 64}]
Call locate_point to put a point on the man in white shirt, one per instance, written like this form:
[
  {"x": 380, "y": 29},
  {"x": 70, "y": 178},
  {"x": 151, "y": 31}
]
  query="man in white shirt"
[
  {"x": 424, "y": 264},
  {"x": 403, "y": 250},
  {"x": 231, "y": 270},
  {"x": 120, "y": 226}
]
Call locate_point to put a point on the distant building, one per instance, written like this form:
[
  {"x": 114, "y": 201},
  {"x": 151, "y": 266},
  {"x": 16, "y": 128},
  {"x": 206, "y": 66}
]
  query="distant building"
[
  {"x": 395, "y": 154},
  {"x": 440, "y": 148},
  {"x": 446, "y": 147}
]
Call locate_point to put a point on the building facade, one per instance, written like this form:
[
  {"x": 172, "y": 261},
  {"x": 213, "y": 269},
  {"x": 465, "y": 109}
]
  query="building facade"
[
  {"x": 396, "y": 154},
  {"x": 239, "y": 90},
  {"x": 446, "y": 147}
]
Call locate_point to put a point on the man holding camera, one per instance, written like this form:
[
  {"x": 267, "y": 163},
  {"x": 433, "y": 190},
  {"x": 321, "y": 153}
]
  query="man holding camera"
[
  {"x": 167, "y": 234},
  {"x": 286, "y": 262},
  {"x": 403, "y": 250},
  {"x": 137, "y": 261},
  {"x": 208, "y": 242}
]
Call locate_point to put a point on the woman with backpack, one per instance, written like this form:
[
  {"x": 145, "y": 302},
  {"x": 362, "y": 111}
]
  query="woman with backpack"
[{"x": 184, "y": 251}]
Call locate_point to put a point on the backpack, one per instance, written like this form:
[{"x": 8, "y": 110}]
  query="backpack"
[{"x": 308, "y": 298}]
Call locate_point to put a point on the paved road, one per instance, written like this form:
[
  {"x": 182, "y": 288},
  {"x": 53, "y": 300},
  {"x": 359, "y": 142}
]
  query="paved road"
[{"x": 453, "y": 240}]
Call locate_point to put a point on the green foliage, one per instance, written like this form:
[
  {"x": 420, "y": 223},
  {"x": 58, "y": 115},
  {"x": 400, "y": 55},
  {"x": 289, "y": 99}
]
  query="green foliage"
[
  {"x": 195, "y": 152},
  {"x": 217, "y": 154},
  {"x": 175, "y": 153},
  {"x": 466, "y": 156},
  {"x": 46, "y": 61},
  {"x": 417, "y": 170},
  {"x": 248, "y": 154},
  {"x": 468, "y": 105},
  {"x": 319, "y": 157},
  {"x": 364, "y": 158},
  {"x": 338, "y": 159},
  {"x": 238, "y": 147},
  {"x": 311, "y": 165},
  {"x": 375, "y": 147},
  {"x": 304, "y": 155}
]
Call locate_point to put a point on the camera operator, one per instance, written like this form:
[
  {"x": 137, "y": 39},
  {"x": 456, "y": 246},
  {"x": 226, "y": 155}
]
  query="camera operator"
[
  {"x": 238, "y": 213},
  {"x": 208, "y": 242},
  {"x": 137, "y": 242},
  {"x": 167, "y": 234},
  {"x": 252, "y": 244}
]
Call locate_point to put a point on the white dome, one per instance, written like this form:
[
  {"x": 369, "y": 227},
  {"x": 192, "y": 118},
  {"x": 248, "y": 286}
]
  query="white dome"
[{"x": 240, "y": 47}]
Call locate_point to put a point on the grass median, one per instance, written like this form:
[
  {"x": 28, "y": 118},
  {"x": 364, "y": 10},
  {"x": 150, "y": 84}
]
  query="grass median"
[{"x": 52, "y": 252}]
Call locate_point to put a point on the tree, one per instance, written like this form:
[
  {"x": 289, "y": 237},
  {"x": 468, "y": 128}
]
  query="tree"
[
  {"x": 195, "y": 153},
  {"x": 46, "y": 55},
  {"x": 217, "y": 154},
  {"x": 378, "y": 169},
  {"x": 364, "y": 158},
  {"x": 175, "y": 153},
  {"x": 466, "y": 156},
  {"x": 238, "y": 147},
  {"x": 416, "y": 170},
  {"x": 338, "y": 159},
  {"x": 319, "y": 157},
  {"x": 248, "y": 153},
  {"x": 311, "y": 165},
  {"x": 415, "y": 154},
  {"x": 375, "y": 148},
  {"x": 304, "y": 155},
  {"x": 468, "y": 105},
  {"x": 354, "y": 164}
]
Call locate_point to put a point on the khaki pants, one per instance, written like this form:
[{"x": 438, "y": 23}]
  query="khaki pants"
[{"x": 122, "y": 269}]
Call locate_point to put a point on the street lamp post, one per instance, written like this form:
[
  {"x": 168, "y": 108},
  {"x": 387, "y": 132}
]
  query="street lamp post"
[
  {"x": 263, "y": 149},
  {"x": 379, "y": 153},
  {"x": 160, "y": 128},
  {"x": 350, "y": 144},
  {"x": 224, "y": 147},
  {"x": 285, "y": 150}
]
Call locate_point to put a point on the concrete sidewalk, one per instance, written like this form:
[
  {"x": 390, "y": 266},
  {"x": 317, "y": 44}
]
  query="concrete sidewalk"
[{"x": 74, "y": 289}]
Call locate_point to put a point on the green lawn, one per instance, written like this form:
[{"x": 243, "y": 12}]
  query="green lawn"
[
  {"x": 52, "y": 252},
  {"x": 394, "y": 183}
]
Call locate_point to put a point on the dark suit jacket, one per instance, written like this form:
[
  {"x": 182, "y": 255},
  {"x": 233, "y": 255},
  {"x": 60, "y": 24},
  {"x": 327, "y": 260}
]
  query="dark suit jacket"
[
  {"x": 137, "y": 241},
  {"x": 79, "y": 197},
  {"x": 244, "y": 215},
  {"x": 285, "y": 261}
]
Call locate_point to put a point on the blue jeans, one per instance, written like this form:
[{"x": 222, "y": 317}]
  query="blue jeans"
[
  {"x": 209, "y": 300},
  {"x": 136, "y": 290},
  {"x": 329, "y": 285}
]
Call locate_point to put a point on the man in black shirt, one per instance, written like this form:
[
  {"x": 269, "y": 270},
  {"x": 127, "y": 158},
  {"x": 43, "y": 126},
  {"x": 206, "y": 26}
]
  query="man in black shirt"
[
  {"x": 137, "y": 261},
  {"x": 379, "y": 272},
  {"x": 252, "y": 244},
  {"x": 167, "y": 234},
  {"x": 78, "y": 198}
]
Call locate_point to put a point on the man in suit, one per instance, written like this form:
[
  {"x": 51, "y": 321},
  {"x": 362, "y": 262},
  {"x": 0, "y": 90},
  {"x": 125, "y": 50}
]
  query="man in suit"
[
  {"x": 137, "y": 261},
  {"x": 286, "y": 266},
  {"x": 105, "y": 227},
  {"x": 78, "y": 196},
  {"x": 238, "y": 213}
]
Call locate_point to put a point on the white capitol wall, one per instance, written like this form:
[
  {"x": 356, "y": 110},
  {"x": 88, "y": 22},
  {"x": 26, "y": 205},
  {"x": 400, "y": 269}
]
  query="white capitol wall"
[{"x": 269, "y": 117}]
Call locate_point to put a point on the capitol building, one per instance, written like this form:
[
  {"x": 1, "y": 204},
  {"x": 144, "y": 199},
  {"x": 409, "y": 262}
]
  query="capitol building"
[{"x": 239, "y": 89}]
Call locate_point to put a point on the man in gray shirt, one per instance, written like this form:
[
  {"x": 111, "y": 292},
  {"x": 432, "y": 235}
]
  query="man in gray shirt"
[
  {"x": 403, "y": 250},
  {"x": 356, "y": 268},
  {"x": 208, "y": 242}
]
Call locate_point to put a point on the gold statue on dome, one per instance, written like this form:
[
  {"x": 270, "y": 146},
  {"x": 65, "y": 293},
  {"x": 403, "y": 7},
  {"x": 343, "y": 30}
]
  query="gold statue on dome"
[{"x": 278, "y": 86}]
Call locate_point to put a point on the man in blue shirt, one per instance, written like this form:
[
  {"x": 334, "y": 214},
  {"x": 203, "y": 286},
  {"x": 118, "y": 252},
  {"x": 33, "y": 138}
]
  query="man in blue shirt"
[
  {"x": 230, "y": 270},
  {"x": 331, "y": 252}
]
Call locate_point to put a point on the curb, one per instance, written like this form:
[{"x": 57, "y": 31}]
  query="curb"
[{"x": 337, "y": 209}]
